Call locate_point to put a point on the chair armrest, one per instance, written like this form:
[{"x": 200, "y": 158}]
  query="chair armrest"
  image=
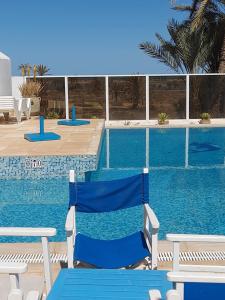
[
  {"x": 12, "y": 268},
  {"x": 207, "y": 277},
  {"x": 152, "y": 218},
  {"x": 155, "y": 295},
  {"x": 27, "y": 231},
  {"x": 70, "y": 224},
  {"x": 33, "y": 295},
  {"x": 44, "y": 233},
  {"x": 195, "y": 238}
]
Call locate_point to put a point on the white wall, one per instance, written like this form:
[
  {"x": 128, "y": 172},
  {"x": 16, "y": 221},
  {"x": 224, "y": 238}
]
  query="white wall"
[
  {"x": 5, "y": 75},
  {"x": 16, "y": 81}
]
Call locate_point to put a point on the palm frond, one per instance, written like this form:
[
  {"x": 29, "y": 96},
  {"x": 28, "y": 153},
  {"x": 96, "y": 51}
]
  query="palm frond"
[
  {"x": 173, "y": 28},
  {"x": 161, "y": 39},
  {"x": 195, "y": 44},
  {"x": 42, "y": 70},
  {"x": 160, "y": 54},
  {"x": 199, "y": 14}
]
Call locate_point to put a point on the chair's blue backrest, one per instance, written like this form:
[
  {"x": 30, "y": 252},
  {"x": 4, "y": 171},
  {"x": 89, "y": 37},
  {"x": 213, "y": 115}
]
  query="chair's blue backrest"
[{"x": 105, "y": 196}]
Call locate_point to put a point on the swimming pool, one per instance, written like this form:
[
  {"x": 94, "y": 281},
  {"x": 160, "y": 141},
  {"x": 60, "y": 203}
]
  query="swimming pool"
[{"x": 187, "y": 185}]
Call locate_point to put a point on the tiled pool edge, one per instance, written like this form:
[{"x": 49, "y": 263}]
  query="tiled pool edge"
[
  {"x": 36, "y": 167},
  {"x": 39, "y": 167}
]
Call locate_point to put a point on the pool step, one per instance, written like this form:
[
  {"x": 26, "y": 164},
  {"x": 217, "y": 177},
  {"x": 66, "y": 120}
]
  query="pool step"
[{"x": 37, "y": 258}]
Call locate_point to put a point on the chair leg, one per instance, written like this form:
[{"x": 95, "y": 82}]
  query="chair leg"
[
  {"x": 27, "y": 115},
  {"x": 154, "y": 251},
  {"x": 149, "y": 262},
  {"x": 18, "y": 116},
  {"x": 70, "y": 247},
  {"x": 180, "y": 289}
]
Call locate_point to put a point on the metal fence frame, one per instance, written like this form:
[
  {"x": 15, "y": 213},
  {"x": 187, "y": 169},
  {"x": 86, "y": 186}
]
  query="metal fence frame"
[{"x": 187, "y": 113}]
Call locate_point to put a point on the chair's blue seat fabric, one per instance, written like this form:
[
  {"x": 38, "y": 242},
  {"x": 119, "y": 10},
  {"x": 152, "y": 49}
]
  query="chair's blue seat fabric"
[{"x": 111, "y": 254}]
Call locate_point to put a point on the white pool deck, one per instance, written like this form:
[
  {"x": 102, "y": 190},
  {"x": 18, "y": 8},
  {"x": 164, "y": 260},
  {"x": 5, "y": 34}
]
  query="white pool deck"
[{"x": 77, "y": 140}]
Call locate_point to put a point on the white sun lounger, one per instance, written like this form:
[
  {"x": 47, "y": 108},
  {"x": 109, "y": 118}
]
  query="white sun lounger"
[
  {"x": 44, "y": 234},
  {"x": 19, "y": 106},
  {"x": 14, "y": 270},
  {"x": 188, "y": 274}
]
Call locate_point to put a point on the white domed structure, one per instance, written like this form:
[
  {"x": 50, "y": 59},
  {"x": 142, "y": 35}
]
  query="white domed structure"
[{"x": 5, "y": 75}]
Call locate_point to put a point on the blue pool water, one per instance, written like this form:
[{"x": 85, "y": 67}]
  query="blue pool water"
[{"x": 187, "y": 185}]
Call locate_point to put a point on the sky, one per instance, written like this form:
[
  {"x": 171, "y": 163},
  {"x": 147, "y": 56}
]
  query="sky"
[{"x": 84, "y": 36}]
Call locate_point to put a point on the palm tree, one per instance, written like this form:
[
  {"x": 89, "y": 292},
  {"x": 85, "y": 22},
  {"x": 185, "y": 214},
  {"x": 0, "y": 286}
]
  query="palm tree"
[
  {"x": 42, "y": 70},
  {"x": 28, "y": 69},
  {"x": 23, "y": 69},
  {"x": 185, "y": 52},
  {"x": 208, "y": 16}
]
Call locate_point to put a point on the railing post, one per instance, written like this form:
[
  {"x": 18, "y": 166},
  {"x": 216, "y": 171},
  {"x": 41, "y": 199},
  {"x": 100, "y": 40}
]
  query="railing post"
[
  {"x": 107, "y": 97},
  {"x": 147, "y": 97},
  {"x": 66, "y": 98},
  {"x": 187, "y": 97},
  {"x": 186, "y": 147},
  {"x": 107, "y": 149},
  {"x": 147, "y": 148}
]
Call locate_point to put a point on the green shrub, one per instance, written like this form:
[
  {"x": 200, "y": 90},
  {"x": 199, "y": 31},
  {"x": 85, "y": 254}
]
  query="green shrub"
[
  {"x": 162, "y": 117},
  {"x": 52, "y": 115},
  {"x": 205, "y": 116}
]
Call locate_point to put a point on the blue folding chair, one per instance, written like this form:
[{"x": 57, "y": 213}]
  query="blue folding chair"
[{"x": 107, "y": 196}]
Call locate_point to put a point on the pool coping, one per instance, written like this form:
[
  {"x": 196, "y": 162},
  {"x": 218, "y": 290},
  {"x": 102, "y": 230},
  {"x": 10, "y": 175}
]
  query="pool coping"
[{"x": 175, "y": 123}]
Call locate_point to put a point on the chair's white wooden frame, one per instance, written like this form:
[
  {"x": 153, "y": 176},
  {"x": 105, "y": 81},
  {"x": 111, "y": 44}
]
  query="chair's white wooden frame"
[
  {"x": 44, "y": 233},
  {"x": 191, "y": 273},
  {"x": 14, "y": 270},
  {"x": 151, "y": 228},
  {"x": 17, "y": 105}
]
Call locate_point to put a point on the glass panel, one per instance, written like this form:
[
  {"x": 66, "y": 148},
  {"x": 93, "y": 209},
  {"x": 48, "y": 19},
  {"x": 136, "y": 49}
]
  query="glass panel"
[
  {"x": 53, "y": 97},
  {"x": 207, "y": 94},
  {"x": 167, "y": 147},
  {"x": 127, "y": 98},
  {"x": 124, "y": 146},
  {"x": 206, "y": 146},
  {"x": 167, "y": 94},
  {"x": 88, "y": 95}
]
